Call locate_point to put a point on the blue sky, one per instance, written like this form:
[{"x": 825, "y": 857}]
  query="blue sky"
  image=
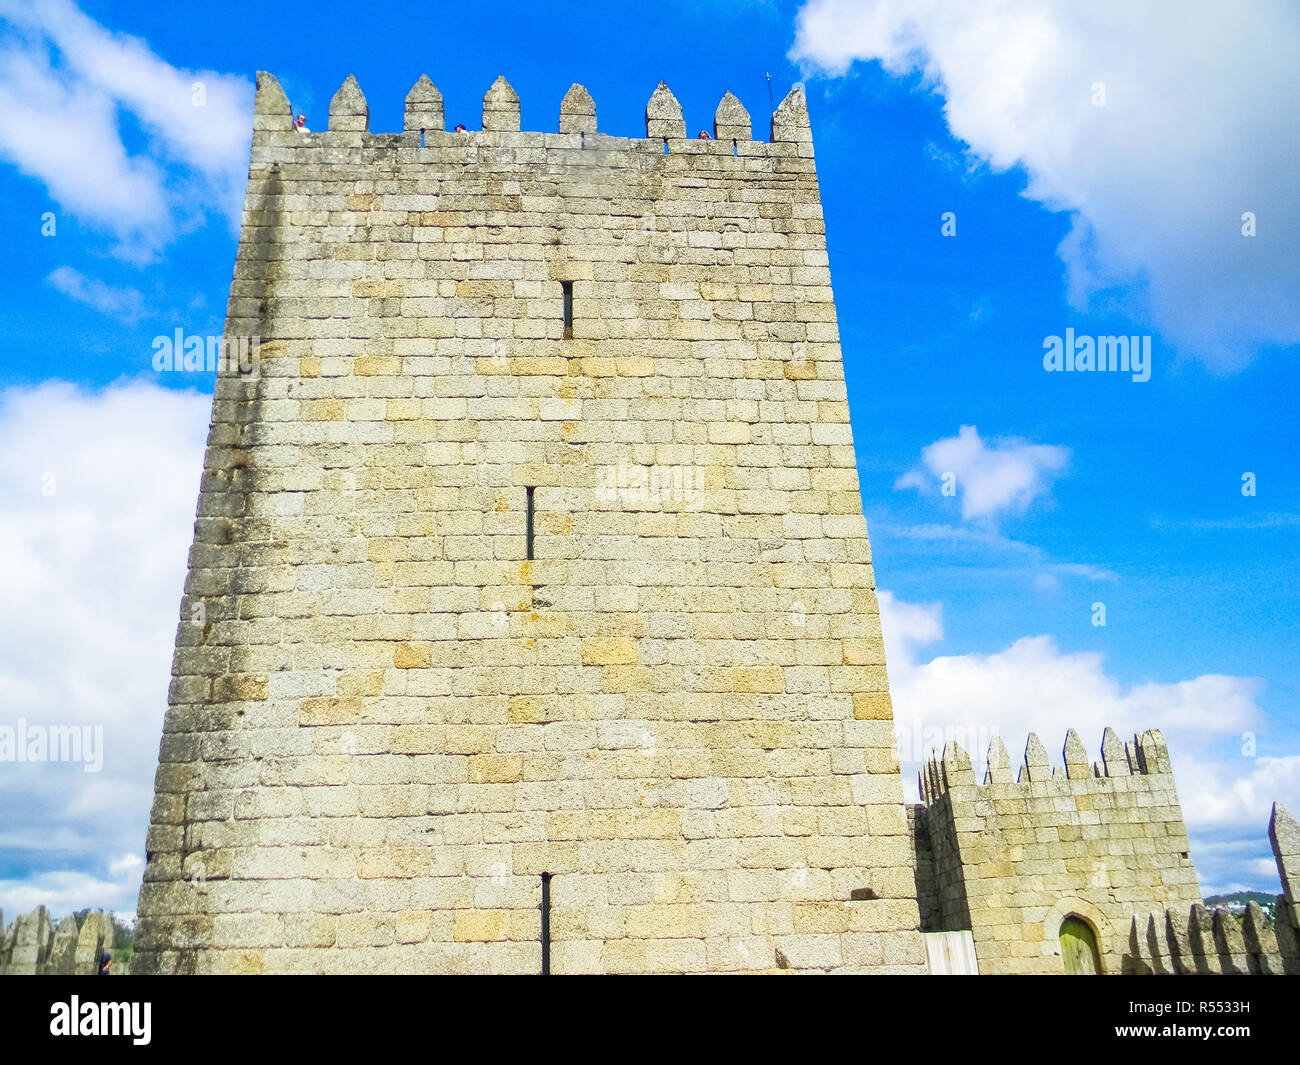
[{"x": 1071, "y": 489}]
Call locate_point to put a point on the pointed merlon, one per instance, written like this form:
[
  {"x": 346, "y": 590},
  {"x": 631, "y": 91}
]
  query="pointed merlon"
[
  {"x": 1227, "y": 936},
  {"x": 501, "y": 108},
  {"x": 1037, "y": 766},
  {"x": 1138, "y": 940},
  {"x": 577, "y": 111},
  {"x": 663, "y": 114},
  {"x": 999, "y": 763},
  {"x": 1200, "y": 934},
  {"x": 937, "y": 787},
  {"x": 956, "y": 766},
  {"x": 424, "y": 107},
  {"x": 790, "y": 120},
  {"x": 1153, "y": 755},
  {"x": 1113, "y": 756},
  {"x": 349, "y": 112},
  {"x": 1284, "y": 835},
  {"x": 731, "y": 120},
  {"x": 1261, "y": 939},
  {"x": 1075, "y": 755},
  {"x": 271, "y": 110},
  {"x": 1178, "y": 938}
]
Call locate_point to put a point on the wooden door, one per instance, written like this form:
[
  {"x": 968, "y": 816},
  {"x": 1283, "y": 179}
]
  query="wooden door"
[{"x": 1079, "y": 948}]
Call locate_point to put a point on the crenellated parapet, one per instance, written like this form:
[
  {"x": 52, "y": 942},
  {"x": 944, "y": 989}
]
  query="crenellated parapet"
[
  {"x": 425, "y": 123},
  {"x": 1204, "y": 942},
  {"x": 1023, "y": 858},
  {"x": 1145, "y": 756},
  {"x": 516, "y": 399},
  {"x": 33, "y": 945}
]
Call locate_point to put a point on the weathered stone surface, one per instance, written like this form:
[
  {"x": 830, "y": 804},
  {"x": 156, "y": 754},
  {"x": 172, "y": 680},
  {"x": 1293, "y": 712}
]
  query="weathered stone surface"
[
  {"x": 1075, "y": 756},
  {"x": 424, "y": 107},
  {"x": 95, "y": 937},
  {"x": 63, "y": 949},
  {"x": 349, "y": 112},
  {"x": 1114, "y": 755},
  {"x": 1011, "y": 861},
  {"x": 663, "y": 114},
  {"x": 394, "y": 721},
  {"x": 999, "y": 763},
  {"x": 731, "y": 120},
  {"x": 1284, "y": 835},
  {"x": 33, "y": 938},
  {"x": 577, "y": 111},
  {"x": 957, "y": 770},
  {"x": 1037, "y": 765},
  {"x": 501, "y": 108},
  {"x": 271, "y": 110},
  {"x": 790, "y": 120}
]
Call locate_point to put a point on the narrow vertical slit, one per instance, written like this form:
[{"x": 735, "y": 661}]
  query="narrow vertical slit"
[
  {"x": 530, "y": 523},
  {"x": 546, "y": 924},
  {"x": 421, "y": 138},
  {"x": 582, "y": 139},
  {"x": 665, "y": 146},
  {"x": 567, "y": 286}
]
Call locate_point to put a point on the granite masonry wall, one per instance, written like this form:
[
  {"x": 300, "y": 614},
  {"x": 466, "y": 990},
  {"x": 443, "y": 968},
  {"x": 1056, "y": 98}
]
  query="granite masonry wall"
[
  {"x": 33, "y": 946},
  {"x": 1012, "y": 859},
  {"x": 533, "y": 546}
]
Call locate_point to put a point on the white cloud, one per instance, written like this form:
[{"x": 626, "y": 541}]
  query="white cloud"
[
  {"x": 1006, "y": 476},
  {"x": 1197, "y": 128},
  {"x": 1229, "y": 792},
  {"x": 97, "y": 503},
  {"x": 123, "y": 303},
  {"x": 64, "y": 892},
  {"x": 1034, "y": 686},
  {"x": 65, "y": 84}
]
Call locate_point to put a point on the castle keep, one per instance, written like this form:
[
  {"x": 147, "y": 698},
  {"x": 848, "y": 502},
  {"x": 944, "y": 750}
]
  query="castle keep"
[
  {"x": 532, "y": 557},
  {"x": 531, "y": 624}
]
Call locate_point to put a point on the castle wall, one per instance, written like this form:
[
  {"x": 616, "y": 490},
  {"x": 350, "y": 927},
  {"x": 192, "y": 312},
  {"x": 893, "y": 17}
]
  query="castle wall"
[
  {"x": 1197, "y": 942},
  {"x": 385, "y": 722},
  {"x": 32, "y": 946},
  {"x": 1103, "y": 842}
]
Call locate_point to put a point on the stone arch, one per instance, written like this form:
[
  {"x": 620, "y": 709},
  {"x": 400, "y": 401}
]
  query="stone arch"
[{"x": 1091, "y": 915}]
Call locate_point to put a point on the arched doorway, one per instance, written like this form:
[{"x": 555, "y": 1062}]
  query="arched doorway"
[{"x": 1079, "y": 947}]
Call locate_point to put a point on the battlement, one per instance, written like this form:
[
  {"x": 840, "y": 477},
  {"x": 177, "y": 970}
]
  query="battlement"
[
  {"x": 1144, "y": 756},
  {"x": 1204, "y": 942},
  {"x": 1012, "y": 859},
  {"x": 425, "y": 123},
  {"x": 1200, "y": 941},
  {"x": 459, "y": 673}
]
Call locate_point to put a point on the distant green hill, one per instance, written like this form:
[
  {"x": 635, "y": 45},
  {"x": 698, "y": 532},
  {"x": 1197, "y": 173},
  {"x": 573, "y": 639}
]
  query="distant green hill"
[{"x": 1239, "y": 899}]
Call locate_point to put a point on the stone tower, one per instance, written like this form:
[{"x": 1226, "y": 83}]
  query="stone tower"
[
  {"x": 530, "y": 617},
  {"x": 1011, "y": 859}
]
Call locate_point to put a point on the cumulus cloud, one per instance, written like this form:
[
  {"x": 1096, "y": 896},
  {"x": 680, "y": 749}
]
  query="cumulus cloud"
[
  {"x": 123, "y": 303},
  {"x": 1195, "y": 130},
  {"x": 66, "y": 86},
  {"x": 97, "y": 503},
  {"x": 64, "y": 892},
  {"x": 1034, "y": 686},
  {"x": 1006, "y": 476}
]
